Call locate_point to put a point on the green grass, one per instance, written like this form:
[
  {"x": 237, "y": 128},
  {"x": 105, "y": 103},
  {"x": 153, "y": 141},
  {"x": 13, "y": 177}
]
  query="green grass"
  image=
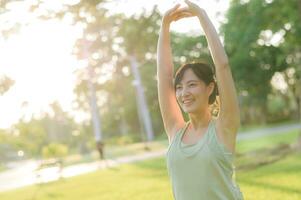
[
  {"x": 144, "y": 180},
  {"x": 267, "y": 141},
  {"x": 114, "y": 151},
  {"x": 252, "y": 127},
  {"x": 277, "y": 181},
  {"x": 2, "y": 168},
  {"x": 148, "y": 180}
]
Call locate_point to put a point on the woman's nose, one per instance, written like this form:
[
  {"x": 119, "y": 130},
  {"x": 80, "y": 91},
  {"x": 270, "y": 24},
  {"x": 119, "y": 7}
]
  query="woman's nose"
[{"x": 185, "y": 91}]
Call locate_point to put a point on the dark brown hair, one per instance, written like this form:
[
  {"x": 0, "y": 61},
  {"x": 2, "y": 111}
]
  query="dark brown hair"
[{"x": 203, "y": 71}]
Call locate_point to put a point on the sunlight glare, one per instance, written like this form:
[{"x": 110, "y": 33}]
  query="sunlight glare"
[{"x": 39, "y": 60}]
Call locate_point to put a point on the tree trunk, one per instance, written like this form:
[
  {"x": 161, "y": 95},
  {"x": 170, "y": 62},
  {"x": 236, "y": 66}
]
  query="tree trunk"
[{"x": 123, "y": 125}]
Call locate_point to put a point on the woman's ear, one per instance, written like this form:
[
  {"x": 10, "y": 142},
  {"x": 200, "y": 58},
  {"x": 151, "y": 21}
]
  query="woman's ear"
[{"x": 210, "y": 88}]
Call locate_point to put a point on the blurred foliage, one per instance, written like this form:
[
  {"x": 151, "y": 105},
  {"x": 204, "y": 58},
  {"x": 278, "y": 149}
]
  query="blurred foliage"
[
  {"x": 250, "y": 34},
  {"x": 5, "y": 84},
  {"x": 55, "y": 150},
  {"x": 250, "y": 37},
  {"x": 123, "y": 140}
]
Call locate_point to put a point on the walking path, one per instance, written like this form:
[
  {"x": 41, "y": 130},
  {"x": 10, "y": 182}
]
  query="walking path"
[{"x": 27, "y": 174}]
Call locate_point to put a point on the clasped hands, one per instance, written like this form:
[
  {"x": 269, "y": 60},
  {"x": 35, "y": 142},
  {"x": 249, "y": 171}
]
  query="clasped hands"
[{"x": 176, "y": 13}]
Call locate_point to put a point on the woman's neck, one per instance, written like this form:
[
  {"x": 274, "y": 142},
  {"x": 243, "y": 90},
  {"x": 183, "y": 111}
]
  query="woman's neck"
[{"x": 200, "y": 121}]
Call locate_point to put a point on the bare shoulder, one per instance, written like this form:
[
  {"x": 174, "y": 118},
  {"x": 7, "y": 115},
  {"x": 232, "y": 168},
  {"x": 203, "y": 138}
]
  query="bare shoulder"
[{"x": 226, "y": 131}]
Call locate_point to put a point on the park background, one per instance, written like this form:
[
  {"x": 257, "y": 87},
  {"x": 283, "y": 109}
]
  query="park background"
[{"x": 76, "y": 72}]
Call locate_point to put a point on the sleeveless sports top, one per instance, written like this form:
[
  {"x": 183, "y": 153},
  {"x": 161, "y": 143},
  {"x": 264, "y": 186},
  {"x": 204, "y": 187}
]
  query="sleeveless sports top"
[{"x": 201, "y": 171}]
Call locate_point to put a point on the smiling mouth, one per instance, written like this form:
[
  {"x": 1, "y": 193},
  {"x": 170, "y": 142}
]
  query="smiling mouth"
[{"x": 187, "y": 103}]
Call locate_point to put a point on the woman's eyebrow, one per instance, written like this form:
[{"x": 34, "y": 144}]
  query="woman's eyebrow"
[
  {"x": 192, "y": 81},
  {"x": 189, "y": 82}
]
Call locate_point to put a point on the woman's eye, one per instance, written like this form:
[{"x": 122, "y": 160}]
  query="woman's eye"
[{"x": 190, "y": 85}]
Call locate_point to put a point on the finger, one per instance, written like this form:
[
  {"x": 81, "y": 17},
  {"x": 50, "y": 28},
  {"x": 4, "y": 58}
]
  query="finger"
[
  {"x": 182, "y": 16},
  {"x": 189, "y": 3},
  {"x": 185, "y": 13},
  {"x": 181, "y": 12},
  {"x": 175, "y": 7},
  {"x": 183, "y": 9},
  {"x": 189, "y": 14},
  {"x": 172, "y": 10}
]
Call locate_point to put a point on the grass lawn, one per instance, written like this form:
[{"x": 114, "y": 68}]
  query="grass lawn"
[
  {"x": 269, "y": 125},
  {"x": 148, "y": 180},
  {"x": 114, "y": 151},
  {"x": 277, "y": 181},
  {"x": 267, "y": 141},
  {"x": 144, "y": 180},
  {"x": 138, "y": 148}
]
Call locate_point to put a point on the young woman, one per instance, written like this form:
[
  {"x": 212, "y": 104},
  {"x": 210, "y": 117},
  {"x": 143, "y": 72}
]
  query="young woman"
[{"x": 201, "y": 151}]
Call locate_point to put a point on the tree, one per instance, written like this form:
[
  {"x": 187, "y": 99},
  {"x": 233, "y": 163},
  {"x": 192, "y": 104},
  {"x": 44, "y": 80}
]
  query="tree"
[
  {"x": 262, "y": 22},
  {"x": 252, "y": 56},
  {"x": 5, "y": 84}
]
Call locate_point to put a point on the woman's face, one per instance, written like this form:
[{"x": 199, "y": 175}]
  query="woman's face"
[{"x": 192, "y": 93}]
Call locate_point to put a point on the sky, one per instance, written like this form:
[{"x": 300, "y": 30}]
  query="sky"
[
  {"x": 212, "y": 7},
  {"x": 40, "y": 59}
]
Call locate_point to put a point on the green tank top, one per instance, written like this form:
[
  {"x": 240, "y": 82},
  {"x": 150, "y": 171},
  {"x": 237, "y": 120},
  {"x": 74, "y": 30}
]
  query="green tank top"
[{"x": 201, "y": 171}]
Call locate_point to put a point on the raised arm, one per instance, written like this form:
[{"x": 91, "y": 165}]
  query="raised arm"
[
  {"x": 170, "y": 111},
  {"x": 229, "y": 116}
]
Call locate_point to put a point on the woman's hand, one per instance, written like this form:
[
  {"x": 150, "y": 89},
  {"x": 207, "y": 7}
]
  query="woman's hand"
[
  {"x": 193, "y": 8},
  {"x": 174, "y": 14}
]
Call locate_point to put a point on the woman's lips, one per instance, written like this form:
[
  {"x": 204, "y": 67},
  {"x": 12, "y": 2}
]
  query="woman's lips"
[{"x": 187, "y": 102}]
